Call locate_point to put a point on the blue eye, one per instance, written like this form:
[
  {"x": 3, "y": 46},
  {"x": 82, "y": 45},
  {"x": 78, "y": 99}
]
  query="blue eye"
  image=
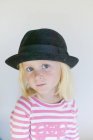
[
  {"x": 29, "y": 69},
  {"x": 45, "y": 66}
]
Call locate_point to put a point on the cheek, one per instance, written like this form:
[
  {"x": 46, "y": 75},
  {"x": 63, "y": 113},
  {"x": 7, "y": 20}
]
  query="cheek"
[
  {"x": 28, "y": 77},
  {"x": 54, "y": 76},
  {"x": 30, "y": 81}
]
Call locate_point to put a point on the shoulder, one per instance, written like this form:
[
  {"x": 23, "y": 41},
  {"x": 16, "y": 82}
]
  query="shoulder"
[
  {"x": 72, "y": 104},
  {"x": 23, "y": 104}
]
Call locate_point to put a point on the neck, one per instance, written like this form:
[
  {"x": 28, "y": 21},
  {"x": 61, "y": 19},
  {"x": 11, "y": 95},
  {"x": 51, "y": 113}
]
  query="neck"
[{"x": 48, "y": 99}]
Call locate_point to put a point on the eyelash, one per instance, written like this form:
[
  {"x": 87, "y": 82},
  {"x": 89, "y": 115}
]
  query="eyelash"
[
  {"x": 47, "y": 65},
  {"x": 29, "y": 69}
]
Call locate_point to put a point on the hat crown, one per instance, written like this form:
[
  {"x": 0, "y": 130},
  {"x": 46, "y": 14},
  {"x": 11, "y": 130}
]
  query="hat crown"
[
  {"x": 43, "y": 36},
  {"x": 42, "y": 44}
]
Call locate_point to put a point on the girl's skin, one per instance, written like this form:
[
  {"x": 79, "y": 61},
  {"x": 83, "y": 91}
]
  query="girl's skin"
[{"x": 43, "y": 76}]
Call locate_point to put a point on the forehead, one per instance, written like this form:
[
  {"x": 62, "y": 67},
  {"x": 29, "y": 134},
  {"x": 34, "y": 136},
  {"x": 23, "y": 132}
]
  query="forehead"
[{"x": 39, "y": 62}]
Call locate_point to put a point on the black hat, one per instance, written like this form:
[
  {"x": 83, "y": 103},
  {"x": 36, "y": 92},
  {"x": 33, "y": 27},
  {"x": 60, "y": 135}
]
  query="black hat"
[{"x": 42, "y": 44}]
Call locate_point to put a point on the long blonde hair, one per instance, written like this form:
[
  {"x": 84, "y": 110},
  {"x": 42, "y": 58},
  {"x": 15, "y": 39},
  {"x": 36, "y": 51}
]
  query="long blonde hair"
[{"x": 64, "y": 86}]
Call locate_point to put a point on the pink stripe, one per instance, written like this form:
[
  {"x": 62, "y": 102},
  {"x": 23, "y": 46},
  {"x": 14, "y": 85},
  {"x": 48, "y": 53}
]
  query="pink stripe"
[
  {"x": 72, "y": 133},
  {"x": 69, "y": 138},
  {"x": 20, "y": 121},
  {"x": 19, "y": 127},
  {"x": 49, "y": 105},
  {"x": 76, "y": 111},
  {"x": 19, "y": 115},
  {"x": 27, "y": 100},
  {"x": 72, "y": 128},
  {"x": 42, "y": 123},
  {"x": 51, "y": 117},
  {"x": 20, "y": 133},
  {"x": 21, "y": 138},
  {"x": 52, "y": 111},
  {"x": 69, "y": 123},
  {"x": 30, "y": 102},
  {"x": 73, "y": 104},
  {"x": 34, "y": 105},
  {"x": 22, "y": 103},
  {"x": 19, "y": 109}
]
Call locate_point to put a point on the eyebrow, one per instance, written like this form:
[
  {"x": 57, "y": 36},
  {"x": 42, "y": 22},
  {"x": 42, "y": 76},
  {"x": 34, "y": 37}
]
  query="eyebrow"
[{"x": 31, "y": 65}]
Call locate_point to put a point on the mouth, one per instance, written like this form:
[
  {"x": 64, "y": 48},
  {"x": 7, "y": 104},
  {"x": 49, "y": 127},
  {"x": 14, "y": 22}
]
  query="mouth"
[{"x": 39, "y": 85}]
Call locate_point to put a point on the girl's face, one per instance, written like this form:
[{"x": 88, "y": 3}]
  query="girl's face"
[{"x": 42, "y": 75}]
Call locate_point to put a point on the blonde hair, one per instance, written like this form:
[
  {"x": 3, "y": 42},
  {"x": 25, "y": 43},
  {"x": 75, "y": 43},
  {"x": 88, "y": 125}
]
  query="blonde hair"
[{"x": 64, "y": 87}]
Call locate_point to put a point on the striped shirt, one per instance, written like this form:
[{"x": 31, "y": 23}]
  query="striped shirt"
[{"x": 33, "y": 119}]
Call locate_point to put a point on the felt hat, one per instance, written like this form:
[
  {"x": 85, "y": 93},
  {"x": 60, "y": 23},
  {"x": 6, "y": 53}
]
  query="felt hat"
[{"x": 42, "y": 44}]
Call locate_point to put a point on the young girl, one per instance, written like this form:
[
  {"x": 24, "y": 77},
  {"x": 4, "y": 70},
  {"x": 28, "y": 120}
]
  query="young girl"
[{"x": 46, "y": 111}]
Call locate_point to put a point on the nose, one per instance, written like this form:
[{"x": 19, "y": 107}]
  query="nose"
[{"x": 38, "y": 75}]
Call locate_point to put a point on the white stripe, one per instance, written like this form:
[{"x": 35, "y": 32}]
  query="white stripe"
[
  {"x": 50, "y": 105},
  {"x": 52, "y": 114},
  {"x": 19, "y": 124},
  {"x": 78, "y": 138},
  {"x": 23, "y": 108},
  {"x": 61, "y": 126},
  {"x": 20, "y": 136},
  {"x": 51, "y": 120},
  {"x": 25, "y": 102},
  {"x": 19, "y": 111},
  {"x": 52, "y": 108},
  {"x": 19, "y": 130},
  {"x": 34, "y": 102},
  {"x": 72, "y": 136},
  {"x": 72, "y": 131},
  {"x": 20, "y": 118},
  {"x": 72, "y": 126}
]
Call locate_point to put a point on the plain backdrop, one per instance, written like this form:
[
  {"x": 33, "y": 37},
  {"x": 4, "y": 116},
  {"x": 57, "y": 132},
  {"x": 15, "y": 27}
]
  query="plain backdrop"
[{"x": 71, "y": 18}]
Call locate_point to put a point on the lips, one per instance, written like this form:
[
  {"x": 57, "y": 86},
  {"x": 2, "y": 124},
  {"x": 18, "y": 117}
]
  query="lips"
[{"x": 40, "y": 85}]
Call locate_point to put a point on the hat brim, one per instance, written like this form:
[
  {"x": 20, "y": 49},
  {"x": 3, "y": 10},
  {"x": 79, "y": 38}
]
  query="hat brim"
[{"x": 16, "y": 59}]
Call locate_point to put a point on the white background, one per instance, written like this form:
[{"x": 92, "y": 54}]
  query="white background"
[{"x": 74, "y": 20}]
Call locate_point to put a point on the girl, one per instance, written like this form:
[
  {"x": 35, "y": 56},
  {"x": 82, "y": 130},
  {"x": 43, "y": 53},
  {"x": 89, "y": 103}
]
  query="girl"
[{"x": 46, "y": 111}]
